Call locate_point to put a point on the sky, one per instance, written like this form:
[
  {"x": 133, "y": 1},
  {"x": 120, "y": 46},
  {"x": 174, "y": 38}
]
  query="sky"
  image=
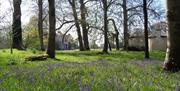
[
  {"x": 26, "y": 8},
  {"x": 164, "y": 3},
  {"x": 27, "y": 12}
]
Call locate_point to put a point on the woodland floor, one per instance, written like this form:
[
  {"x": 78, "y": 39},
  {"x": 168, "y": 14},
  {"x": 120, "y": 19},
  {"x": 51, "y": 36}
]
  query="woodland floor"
[{"x": 86, "y": 71}]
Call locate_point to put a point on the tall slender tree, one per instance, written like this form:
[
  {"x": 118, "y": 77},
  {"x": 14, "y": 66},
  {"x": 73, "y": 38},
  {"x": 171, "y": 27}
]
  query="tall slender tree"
[
  {"x": 116, "y": 34},
  {"x": 146, "y": 28},
  {"x": 105, "y": 10},
  {"x": 52, "y": 24},
  {"x": 172, "y": 61},
  {"x": 84, "y": 25},
  {"x": 125, "y": 25},
  {"x": 40, "y": 24},
  {"x": 16, "y": 26},
  {"x": 78, "y": 29}
]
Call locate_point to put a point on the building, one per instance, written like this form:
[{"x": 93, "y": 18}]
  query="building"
[
  {"x": 157, "y": 37},
  {"x": 64, "y": 42},
  {"x": 136, "y": 40}
]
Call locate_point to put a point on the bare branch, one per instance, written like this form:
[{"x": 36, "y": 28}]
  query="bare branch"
[
  {"x": 67, "y": 22},
  {"x": 67, "y": 32}
]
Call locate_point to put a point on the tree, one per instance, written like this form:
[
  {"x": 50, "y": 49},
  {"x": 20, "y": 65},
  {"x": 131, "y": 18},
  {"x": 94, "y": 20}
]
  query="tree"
[
  {"x": 30, "y": 34},
  {"x": 125, "y": 25},
  {"x": 52, "y": 24},
  {"x": 116, "y": 34},
  {"x": 105, "y": 9},
  {"x": 146, "y": 28},
  {"x": 172, "y": 61},
  {"x": 40, "y": 24},
  {"x": 78, "y": 29},
  {"x": 16, "y": 26},
  {"x": 84, "y": 25}
]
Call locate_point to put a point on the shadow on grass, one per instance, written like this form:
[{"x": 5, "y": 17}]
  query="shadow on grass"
[{"x": 112, "y": 54}]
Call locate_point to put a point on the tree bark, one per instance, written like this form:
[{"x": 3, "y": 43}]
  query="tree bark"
[
  {"x": 125, "y": 24},
  {"x": 109, "y": 44},
  {"x": 78, "y": 29},
  {"x": 116, "y": 35},
  {"x": 105, "y": 9},
  {"x": 172, "y": 61},
  {"x": 16, "y": 26},
  {"x": 146, "y": 28},
  {"x": 84, "y": 25},
  {"x": 52, "y": 23},
  {"x": 40, "y": 24}
]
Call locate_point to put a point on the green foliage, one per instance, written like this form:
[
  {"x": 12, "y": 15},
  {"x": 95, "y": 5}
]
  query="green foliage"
[
  {"x": 31, "y": 35},
  {"x": 33, "y": 50},
  {"x": 4, "y": 39},
  {"x": 31, "y": 39},
  {"x": 87, "y": 71},
  {"x": 11, "y": 61},
  {"x": 3, "y": 50}
]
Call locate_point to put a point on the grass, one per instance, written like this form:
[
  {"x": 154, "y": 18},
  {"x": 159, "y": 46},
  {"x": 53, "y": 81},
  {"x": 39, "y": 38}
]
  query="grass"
[{"x": 86, "y": 71}]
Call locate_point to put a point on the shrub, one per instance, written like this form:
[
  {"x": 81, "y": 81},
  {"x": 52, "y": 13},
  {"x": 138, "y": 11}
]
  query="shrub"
[
  {"x": 3, "y": 51},
  {"x": 11, "y": 61},
  {"x": 33, "y": 50}
]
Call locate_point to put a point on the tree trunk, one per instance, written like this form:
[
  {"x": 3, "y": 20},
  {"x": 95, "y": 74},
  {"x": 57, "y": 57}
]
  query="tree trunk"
[
  {"x": 146, "y": 28},
  {"x": 40, "y": 24},
  {"x": 117, "y": 41},
  {"x": 116, "y": 35},
  {"x": 105, "y": 9},
  {"x": 52, "y": 24},
  {"x": 109, "y": 44},
  {"x": 172, "y": 61},
  {"x": 16, "y": 27},
  {"x": 73, "y": 5},
  {"x": 84, "y": 25},
  {"x": 125, "y": 24}
]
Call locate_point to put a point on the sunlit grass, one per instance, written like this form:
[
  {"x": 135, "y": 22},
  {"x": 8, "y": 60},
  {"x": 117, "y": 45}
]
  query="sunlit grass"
[{"x": 86, "y": 71}]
